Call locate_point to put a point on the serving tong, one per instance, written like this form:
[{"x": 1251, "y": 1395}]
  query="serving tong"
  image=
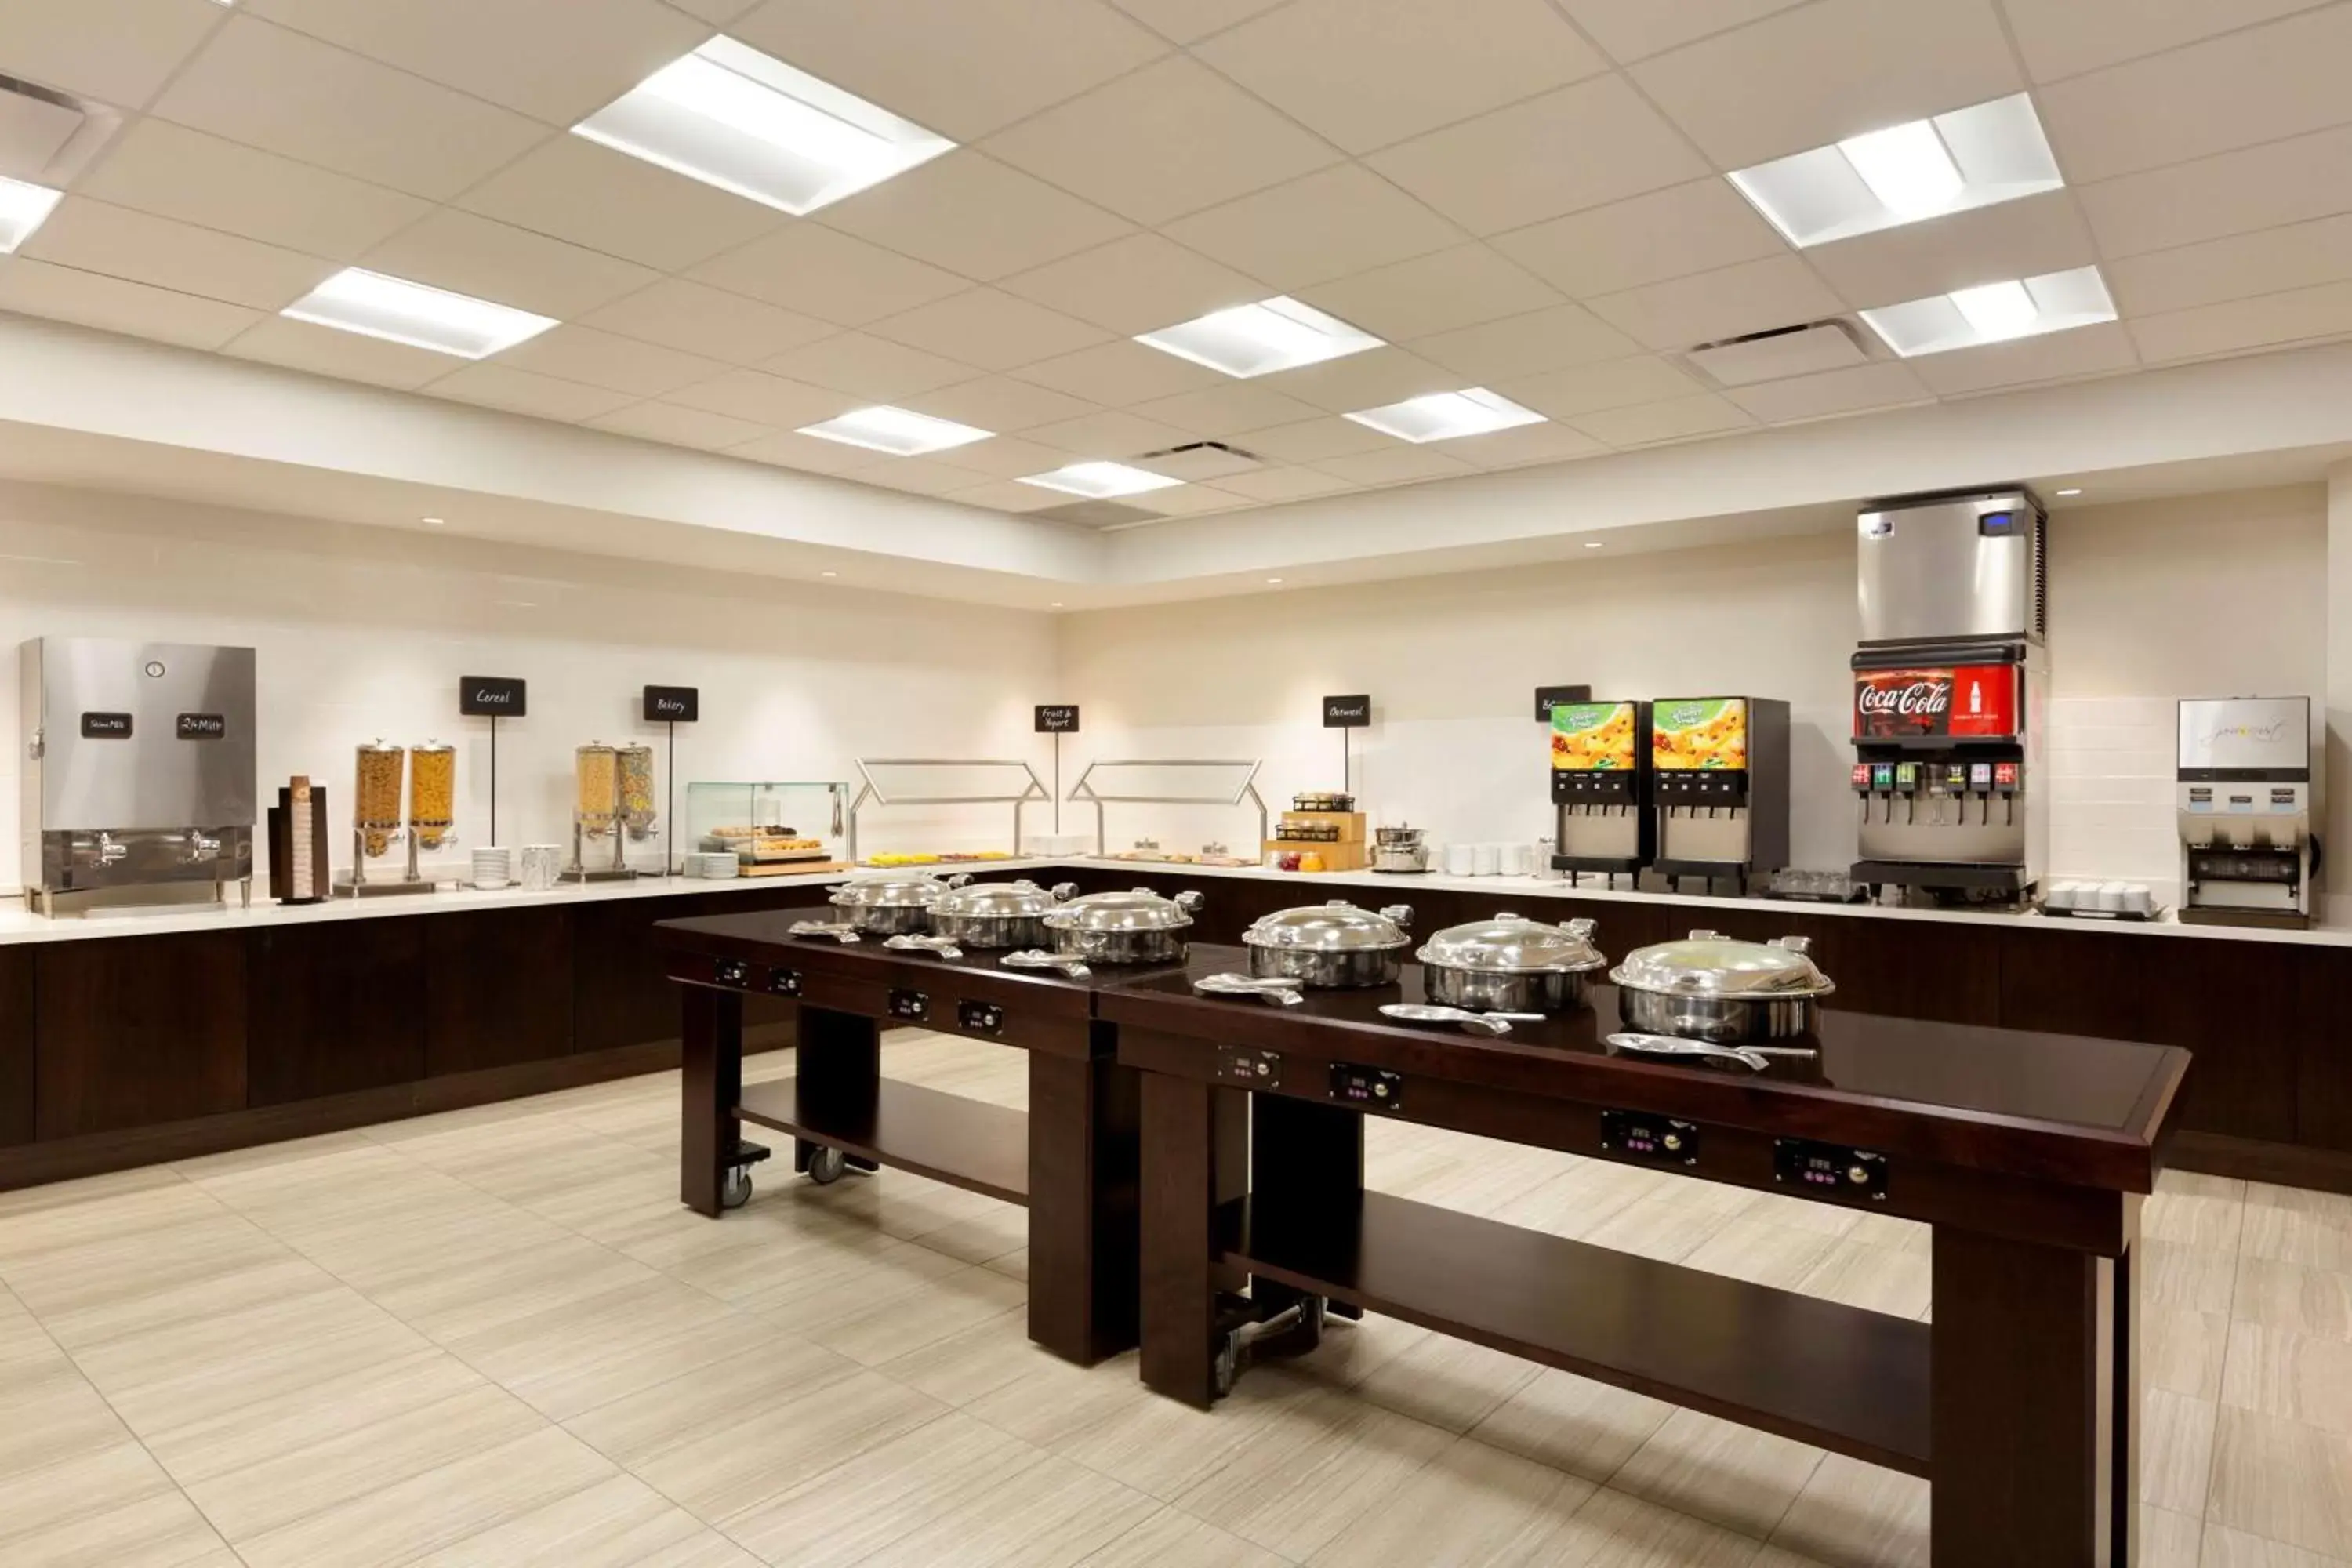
[
  {"x": 1472, "y": 1023},
  {"x": 1038, "y": 958},
  {"x": 944, "y": 947},
  {"x": 1274, "y": 992},
  {"x": 841, "y": 932},
  {"x": 1757, "y": 1057}
]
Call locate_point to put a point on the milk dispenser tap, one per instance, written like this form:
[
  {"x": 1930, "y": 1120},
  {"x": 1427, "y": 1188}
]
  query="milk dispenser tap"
[
  {"x": 1601, "y": 780},
  {"x": 2243, "y": 804}
]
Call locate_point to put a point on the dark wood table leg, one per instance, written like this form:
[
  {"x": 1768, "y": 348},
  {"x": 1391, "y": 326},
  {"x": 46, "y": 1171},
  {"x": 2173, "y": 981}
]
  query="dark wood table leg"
[
  {"x": 836, "y": 1067},
  {"x": 1305, "y": 1159},
  {"x": 711, "y": 1086},
  {"x": 1195, "y": 1156},
  {"x": 1082, "y": 1172},
  {"x": 2035, "y": 1407}
]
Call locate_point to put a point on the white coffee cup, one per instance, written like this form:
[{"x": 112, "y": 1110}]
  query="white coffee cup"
[
  {"x": 1487, "y": 860},
  {"x": 1461, "y": 859}
]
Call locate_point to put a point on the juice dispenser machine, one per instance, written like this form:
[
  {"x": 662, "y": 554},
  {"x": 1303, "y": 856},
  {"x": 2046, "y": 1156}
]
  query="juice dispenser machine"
[
  {"x": 1721, "y": 777},
  {"x": 1950, "y": 685},
  {"x": 2247, "y": 854},
  {"x": 1600, "y": 782}
]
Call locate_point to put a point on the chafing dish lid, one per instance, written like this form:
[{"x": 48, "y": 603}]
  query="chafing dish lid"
[
  {"x": 1335, "y": 927},
  {"x": 1708, "y": 964},
  {"x": 889, "y": 891},
  {"x": 1008, "y": 900},
  {"x": 1138, "y": 909},
  {"x": 1514, "y": 944},
  {"x": 1400, "y": 837}
]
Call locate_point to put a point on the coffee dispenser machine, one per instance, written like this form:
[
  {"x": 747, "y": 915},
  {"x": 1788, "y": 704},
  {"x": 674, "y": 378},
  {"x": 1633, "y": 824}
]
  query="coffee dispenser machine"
[
  {"x": 1719, "y": 771},
  {"x": 1950, "y": 687},
  {"x": 1600, "y": 780},
  {"x": 2243, "y": 803}
]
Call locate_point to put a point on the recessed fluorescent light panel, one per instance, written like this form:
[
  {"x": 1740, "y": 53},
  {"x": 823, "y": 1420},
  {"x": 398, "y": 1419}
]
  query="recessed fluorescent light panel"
[
  {"x": 1924, "y": 168},
  {"x": 1274, "y": 334},
  {"x": 1100, "y": 481},
  {"x": 22, "y": 209},
  {"x": 1994, "y": 312},
  {"x": 732, "y": 117},
  {"x": 402, "y": 312},
  {"x": 897, "y": 431},
  {"x": 1444, "y": 416}
]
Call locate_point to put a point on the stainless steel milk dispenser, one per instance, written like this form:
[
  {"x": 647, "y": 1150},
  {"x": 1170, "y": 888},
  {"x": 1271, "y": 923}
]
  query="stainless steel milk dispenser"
[{"x": 2243, "y": 798}]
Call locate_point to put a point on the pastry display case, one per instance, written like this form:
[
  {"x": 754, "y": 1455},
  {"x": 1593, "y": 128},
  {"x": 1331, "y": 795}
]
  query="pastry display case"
[{"x": 771, "y": 827}]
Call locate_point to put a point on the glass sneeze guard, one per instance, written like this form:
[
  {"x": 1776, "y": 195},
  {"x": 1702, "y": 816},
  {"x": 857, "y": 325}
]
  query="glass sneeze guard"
[{"x": 1184, "y": 781}]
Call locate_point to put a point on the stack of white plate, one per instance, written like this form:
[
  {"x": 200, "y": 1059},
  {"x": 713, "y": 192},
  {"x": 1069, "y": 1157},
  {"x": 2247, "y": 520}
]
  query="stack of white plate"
[
  {"x": 717, "y": 865},
  {"x": 493, "y": 867}
]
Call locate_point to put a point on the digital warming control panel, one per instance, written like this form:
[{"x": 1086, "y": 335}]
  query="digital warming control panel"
[
  {"x": 730, "y": 971},
  {"x": 783, "y": 982},
  {"x": 1829, "y": 1170},
  {"x": 1639, "y": 1136},
  {"x": 979, "y": 1017},
  {"x": 1371, "y": 1089},
  {"x": 913, "y": 1006},
  {"x": 1244, "y": 1064}
]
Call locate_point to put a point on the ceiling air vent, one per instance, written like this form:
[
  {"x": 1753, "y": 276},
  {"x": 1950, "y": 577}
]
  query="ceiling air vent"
[
  {"x": 1200, "y": 460},
  {"x": 1782, "y": 352},
  {"x": 46, "y": 136},
  {"x": 1098, "y": 513}
]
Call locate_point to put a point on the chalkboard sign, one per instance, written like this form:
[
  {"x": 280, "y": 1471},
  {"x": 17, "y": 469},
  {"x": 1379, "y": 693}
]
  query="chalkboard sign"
[
  {"x": 106, "y": 726},
  {"x": 201, "y": 726},
  {"x": 1550, "y": 697},
  {"x": 1347, "y": 712},
  {"x": 490, "y": 696},
  {"x": 673, "y": 704},
  {"x": 1057, "y": 718}
]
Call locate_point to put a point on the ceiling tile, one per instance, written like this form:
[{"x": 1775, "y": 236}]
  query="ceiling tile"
[
  {"x": 810, "y": 454},
  {"x": 1648, "y": 238},
  {"x": 1804, "y": 78},
  {"x": 961, "y": 69},
  {"x": 974, "y": 216},
  {"x": 2259, "y": 85},
  {"x": 1396, "y": 463},
  {"x": 1613, "y": 383},
  {"x": 2296, "y": 256},
  {"x": 36, "y": 287},
  {"x": 1313, "y": 440},
  {"x": 1171, "y": 139},
  {"x": 2234, "y": 326},
  {"x": 679, "y": 426},
  {"x": 119, "y": 51},
  {"x": 1986, "y": 245},
  {"x": 1883, "y": 385},
  {"x": 988, "y": 328},
  {"x": 1543, "y": 339},
  {"x": 497, "y": 261},
  {"x": 94, "y": 236},
  {"x": 1117, "y": 375},
  {"x": 769, "y": 401},
  {"x": 1000, "y": 403},
  {"x": 1753, "y": 296},
  {"x": 873, "y": 369},
  {"x": 1224, "y": 410},
  {"x": 1365, "y": 73},
  {"x": 607, "y": 360},
  {"x": 1136, "y": 285},
  {"x": 1326, "y": 225},
  {"x": 2285, "y": 182},
  {"x": 2100, "y": 350},
  {"x": 347, "y": 356},
  {"x": 1110, "y": 435},
  {"x": 1434, "y": 293},
  {"x": 1187, "y": 499},
  {"x": 693, "y": 317},
  {"x": 1283, "y": 484},
  {"x": 1675, "y": 420},
  {"x": 556, "y": 60},
  {"x": 1006, "y": 457},
  {"x": 1635, "y": 29},
  {"x": 717, "y": 13},
  {"x": 496, "y": 386},
  {"x": 1536, "y": 159},
  {"x": 1373, "y": 379},
  {"x": 1525, "y": 444},
  {"x": 166, "y": 169},
  {"x": 830, "y": 275},
  {"x": 2068, "y": 37},
  {"x": 1188, "y": 21},
  {"x": 1010, "y": 495},
  {"x": 917, "y": 476},
  {"x": 284, "y": 93},
  {"x": 573, "y": 189}
]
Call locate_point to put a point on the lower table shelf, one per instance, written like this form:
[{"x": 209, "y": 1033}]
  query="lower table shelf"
[
  {"x": 1851, "y": 1381},
  {"x": 964, "y": 1143}
]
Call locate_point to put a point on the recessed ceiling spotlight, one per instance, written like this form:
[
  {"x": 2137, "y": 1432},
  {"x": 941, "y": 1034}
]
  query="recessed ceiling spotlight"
[
  {"x": 1055, "y": 606},
  {"x": 22, "y": 209},
  {"x": 1274, "y": 579},
  {"x": 1972, "y": 157},
  {"x": 744, "y": 121},
  {"x": 1994, "y": 312},
  {"x": 1100, "y": 481},
  {"x": 2073, "y": 492},
  {"x": 828, "y": 573},
  {"x": 900, "y": 432},
  {"x": 1444, "y": 415},
  {"x": 1274, "y": 334},
  {"x": 430, "y": 522},
  {"x": 375, "y": 306},
  {"x": 1592, "y": 543}
]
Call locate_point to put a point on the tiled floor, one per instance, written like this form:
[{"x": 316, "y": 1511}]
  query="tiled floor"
[{"x": 493, "y": 1338}]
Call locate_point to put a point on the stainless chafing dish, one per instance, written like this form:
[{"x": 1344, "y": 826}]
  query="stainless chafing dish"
[
  {"x": 1334, "y": 945},
  {"x": 1400, "y": 850},
  {"x": 892, "y": 903},
  {"x": 1137, "y": 926},
  {"x": 1710, "y": 987},
  {"x": 993, "y": 915},
  {"x": 1510, "y": 965}
]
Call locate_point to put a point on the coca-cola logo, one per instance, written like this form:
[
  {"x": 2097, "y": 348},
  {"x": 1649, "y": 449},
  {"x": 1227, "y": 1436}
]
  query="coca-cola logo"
[{"x": 1919, "y": 699}]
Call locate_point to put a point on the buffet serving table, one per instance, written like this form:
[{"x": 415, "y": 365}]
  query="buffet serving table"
[{"x": 2028, "y": 1153}]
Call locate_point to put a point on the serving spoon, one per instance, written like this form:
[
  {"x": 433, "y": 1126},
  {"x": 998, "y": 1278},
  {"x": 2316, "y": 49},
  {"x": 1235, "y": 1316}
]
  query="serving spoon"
[
  {"x": 1476, "y": 1023},
  {"x": 1756, "y": 1056}
]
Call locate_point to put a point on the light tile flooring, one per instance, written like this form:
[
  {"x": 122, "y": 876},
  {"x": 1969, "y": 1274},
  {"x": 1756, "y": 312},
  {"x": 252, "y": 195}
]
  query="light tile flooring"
[{"x": 493, "y": 1338}]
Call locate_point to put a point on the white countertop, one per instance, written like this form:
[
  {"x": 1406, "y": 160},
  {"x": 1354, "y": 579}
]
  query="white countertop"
[{"x": 18, "y": 924}]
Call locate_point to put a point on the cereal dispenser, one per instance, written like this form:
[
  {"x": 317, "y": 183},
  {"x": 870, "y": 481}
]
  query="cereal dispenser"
[
  {"x": 432, "y": 794},
  {"x": 598, "y": 815},
  {"x": 379, "y": 770}
]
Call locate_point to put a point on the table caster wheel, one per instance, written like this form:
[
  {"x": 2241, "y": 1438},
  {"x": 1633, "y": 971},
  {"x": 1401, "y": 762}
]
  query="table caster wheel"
[
  {"x": 1226, "y": 1365},
  {"x": 825, "y": 1166},
  {"x": 735, "y": 1190}
]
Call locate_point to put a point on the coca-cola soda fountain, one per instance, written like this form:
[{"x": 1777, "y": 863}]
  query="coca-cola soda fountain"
[{"x": 1950, "y": 688}]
